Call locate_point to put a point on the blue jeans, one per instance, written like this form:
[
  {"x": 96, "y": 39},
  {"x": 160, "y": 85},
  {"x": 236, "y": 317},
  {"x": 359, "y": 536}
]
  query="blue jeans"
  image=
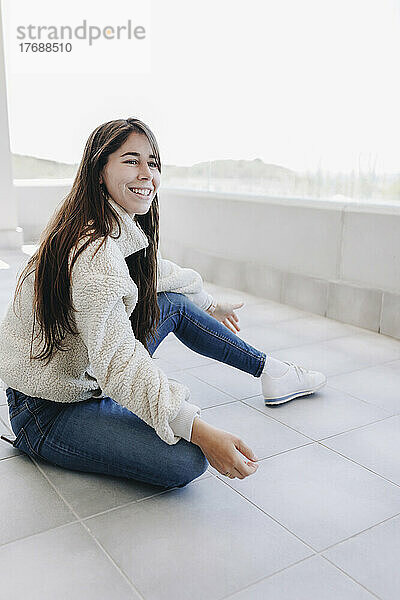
[{"x": 101, "y": 436}]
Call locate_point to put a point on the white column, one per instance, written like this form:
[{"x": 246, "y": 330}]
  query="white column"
[{"x": 11, "y": 236}]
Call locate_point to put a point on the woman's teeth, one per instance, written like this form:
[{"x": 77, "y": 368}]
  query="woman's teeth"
[{"x": 140, "y": 192}]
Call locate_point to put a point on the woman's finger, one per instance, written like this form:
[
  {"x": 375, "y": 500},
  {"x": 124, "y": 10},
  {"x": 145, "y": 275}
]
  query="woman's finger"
[
  {"x": 226, "y": 323},
  {"x": 245, "y": 450},
  {"x": 229, "y": 326},
  {"x": 245, "y": 469},
  {"x": 234, "y": 324}
]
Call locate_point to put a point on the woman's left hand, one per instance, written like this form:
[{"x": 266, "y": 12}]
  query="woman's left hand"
[{"x": 224, "y": 312}]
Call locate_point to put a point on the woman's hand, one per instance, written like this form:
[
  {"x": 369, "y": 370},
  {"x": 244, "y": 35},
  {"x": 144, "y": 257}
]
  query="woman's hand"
[
  {"x": 221, "y": 450},
  {"x": 224, "y": 312}
]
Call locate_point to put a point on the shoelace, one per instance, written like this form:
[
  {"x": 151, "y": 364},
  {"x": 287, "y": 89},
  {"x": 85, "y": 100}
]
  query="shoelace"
[{"x": 299, "y": 370}]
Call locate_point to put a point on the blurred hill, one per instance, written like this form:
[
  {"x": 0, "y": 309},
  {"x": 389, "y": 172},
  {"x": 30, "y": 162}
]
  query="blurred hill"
[
  {"x": 241, "y": 176},
  {"x": 30, "y": 167}
]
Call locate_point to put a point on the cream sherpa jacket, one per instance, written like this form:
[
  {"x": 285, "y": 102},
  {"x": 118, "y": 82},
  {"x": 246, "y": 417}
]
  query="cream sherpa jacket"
[{"x": 105, "y": 359}]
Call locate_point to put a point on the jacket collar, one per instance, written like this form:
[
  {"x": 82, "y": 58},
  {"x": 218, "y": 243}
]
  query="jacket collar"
[{"x": 132, "y": 238}]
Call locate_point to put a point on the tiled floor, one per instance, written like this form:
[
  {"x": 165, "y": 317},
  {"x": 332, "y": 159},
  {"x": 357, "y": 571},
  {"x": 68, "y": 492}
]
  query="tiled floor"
[{"x": 320, "y": 518}]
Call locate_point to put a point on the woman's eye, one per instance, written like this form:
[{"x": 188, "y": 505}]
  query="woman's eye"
[{"x": 133, "y": 160}]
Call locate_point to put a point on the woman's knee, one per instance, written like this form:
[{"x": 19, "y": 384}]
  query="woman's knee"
[
  {"x": 177, "y": 299},
  {"x": 195, "y": 465}
]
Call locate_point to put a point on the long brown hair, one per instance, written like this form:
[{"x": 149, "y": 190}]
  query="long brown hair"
[{"x": 85, "y": 212}]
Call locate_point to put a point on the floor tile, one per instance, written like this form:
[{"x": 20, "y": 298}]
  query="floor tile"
[
  {"x": 372, "y": 558},
  {"x": 91, "y": 493},
  {"x": 27, "y": 501},
  {"x": 181, "y": 356},
  {"x": 166, "y": 366},
  {"x": 231, "y": 295},
  {"x": 316, "y": 328},
  {"x": 220, "y": 542},
  {"x": 324, "y": 413},
  {"x": 313, "y": 578},
  {"x": 375, "y": 446},
  {"x": 373, "y": 348},
  {"x": 295, "y": 332},
  {"x": 229, "y": 380},
  {"x": 202, "y": 394},
  {"x": 64, "y": 563},
  {"x": 267, "y": 338},
  {"x": 4, "y": 416},
  {"x": 395, "y": 364},
  {"x": 263, "y": 435},
  {"x": 377, "y": 385},
  {"x": 267, "y": 313},
  {"x": 3, "y": 398},
  {"x": 215, "y": 528},
  {"x": 6, "y": 449},
  {"x": 340, "y": 355},
  {"x": 320, "y": 496}
]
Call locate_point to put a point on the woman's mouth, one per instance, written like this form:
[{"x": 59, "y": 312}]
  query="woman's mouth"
[{"x": 141, "y": 192}]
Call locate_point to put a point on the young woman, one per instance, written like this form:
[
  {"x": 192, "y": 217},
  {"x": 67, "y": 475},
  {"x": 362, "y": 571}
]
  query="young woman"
[{"x": 94, "y": 302}]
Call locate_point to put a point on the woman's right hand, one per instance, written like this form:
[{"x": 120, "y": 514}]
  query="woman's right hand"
[{"x": 220, "y": 449}]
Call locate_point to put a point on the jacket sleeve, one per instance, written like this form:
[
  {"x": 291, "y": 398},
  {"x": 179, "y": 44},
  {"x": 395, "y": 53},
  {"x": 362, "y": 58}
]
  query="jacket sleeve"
[
  {"x": 121, "y": 364},
  {"x": 172, "y": 278}
]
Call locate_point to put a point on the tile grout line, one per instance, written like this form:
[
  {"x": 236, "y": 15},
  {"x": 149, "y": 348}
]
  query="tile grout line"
[
  {"x": 269, "y": 352},
  {"x": 276, "y": 420},
  {"x": 265, "y": 513},
  {"x": 143, "y": 499},
  {"x": 359, "y": 464},
  {"x": 315, "y": 552},
  {"x": 367, "y": 402},
  {"x": 352, "y": 578},
  {"x": 266, "y": 577},
  {"x": 336, "y": 452},
  {"x": 382, "y": 364},
  {"x": 96, "y": 514},
  {"x": 286, "y": 347},
  {"x": 84, "y": 525},
  {"x": 30, "y": 535},
  {"x": 354, "y": 535},
  {"x": 295, "y": 564},
  {"x": 255, "y": 395},
  {"x": 313, "y": 440},
  {"x": 132, "y": 502},
  {"x": 328, "y": 437},
  {"x": 330, "y": 339},
  {"x": 345, "y": 457},
  {"x": 126, "y": 504}
]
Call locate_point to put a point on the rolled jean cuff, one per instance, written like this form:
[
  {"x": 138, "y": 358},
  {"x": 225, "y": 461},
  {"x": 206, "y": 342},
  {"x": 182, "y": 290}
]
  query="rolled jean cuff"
[{"x": 182, "y": 424}]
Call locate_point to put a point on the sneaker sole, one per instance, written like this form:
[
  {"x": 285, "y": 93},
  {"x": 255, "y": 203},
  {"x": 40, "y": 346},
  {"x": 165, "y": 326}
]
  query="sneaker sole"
[{"x": 282, "y": 399}]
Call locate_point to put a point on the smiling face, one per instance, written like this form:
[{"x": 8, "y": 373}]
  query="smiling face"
[{"x": 131, "y": 175}]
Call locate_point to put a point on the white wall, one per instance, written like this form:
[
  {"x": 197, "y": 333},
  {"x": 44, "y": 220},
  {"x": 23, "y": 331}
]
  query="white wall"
[
  {"x": 10, "y": 232},
  {"x": 337, "y": 259}
]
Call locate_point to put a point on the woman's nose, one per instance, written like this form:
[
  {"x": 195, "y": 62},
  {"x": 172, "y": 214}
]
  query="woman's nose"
[{"x": 145, "y": 172}]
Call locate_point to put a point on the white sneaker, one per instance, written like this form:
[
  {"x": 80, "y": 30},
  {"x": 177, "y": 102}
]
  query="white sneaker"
[{"x": 295, "y": 381}]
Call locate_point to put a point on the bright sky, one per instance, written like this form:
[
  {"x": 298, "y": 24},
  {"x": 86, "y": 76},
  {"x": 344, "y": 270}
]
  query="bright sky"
[{"x": 300, "y": 84}]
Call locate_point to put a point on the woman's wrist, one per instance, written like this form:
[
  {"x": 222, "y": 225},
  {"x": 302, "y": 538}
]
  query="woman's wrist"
[
  {"x": 198, "y": 428},
  {"x": 212, "y": 307}
]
